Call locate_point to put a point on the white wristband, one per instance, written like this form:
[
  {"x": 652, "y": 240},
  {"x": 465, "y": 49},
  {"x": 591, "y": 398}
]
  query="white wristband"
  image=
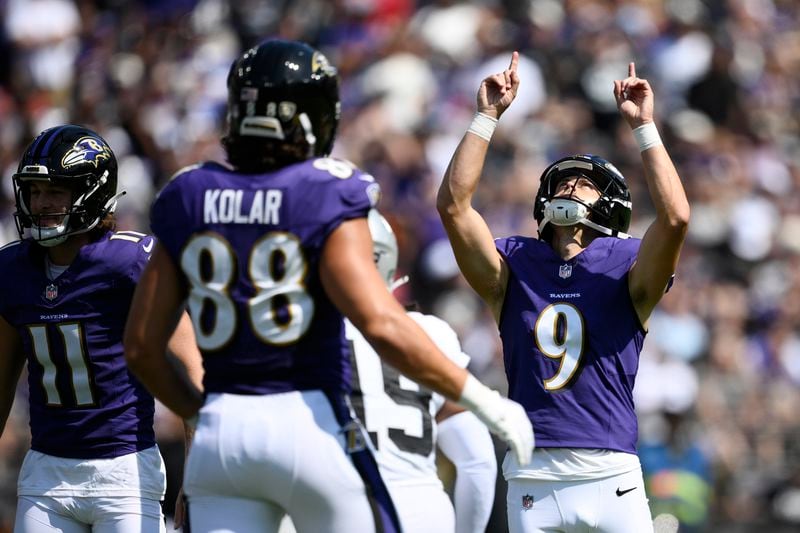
[
  {"x": 647, "y": 136},
  {"x": 483, "y": 126}
]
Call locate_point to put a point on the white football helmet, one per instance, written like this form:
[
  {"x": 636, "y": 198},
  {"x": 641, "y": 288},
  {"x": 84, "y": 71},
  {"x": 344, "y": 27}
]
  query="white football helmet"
[{"x": 384, "y": 246}]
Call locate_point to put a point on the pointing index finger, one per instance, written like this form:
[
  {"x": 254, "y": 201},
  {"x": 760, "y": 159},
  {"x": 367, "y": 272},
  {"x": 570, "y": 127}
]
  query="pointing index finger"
[{"x": 514, "y": 61}]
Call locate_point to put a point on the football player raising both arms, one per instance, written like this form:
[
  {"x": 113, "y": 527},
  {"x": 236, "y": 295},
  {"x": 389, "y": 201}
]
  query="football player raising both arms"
[
  {"x": 572, "y": 307},
  {"x": 64, "y": 297},
  {"x": 270, "y": 252}
]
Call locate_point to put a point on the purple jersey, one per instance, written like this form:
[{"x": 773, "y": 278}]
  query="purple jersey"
[
  {"x": 250, "y": 246},
  {"x": 571, "y": 342},
  {"x": 84, "y": 403}
]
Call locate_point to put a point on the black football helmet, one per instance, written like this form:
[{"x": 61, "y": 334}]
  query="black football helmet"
[
  {"x": 610, "y": 214},
  {"x": 283, "y": 106},
  {"x": 73, "y": 157}
]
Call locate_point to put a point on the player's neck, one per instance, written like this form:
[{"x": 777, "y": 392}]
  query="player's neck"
[
  {"x": 66, "y": 252},
  {"x": 569, "y": 241}
]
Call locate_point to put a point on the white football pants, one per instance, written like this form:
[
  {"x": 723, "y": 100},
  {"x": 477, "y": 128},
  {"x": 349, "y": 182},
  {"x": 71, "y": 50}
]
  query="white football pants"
[
  {"x": 615, "y": 504},
  {"x": 255, "y": 458}
]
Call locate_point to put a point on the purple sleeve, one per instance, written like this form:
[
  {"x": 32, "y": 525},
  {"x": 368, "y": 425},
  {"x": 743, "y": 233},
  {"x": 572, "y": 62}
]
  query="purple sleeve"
[
  {"x": 350, "y": 198},
  {"x": 627, "y": 250},
  {"x": 508, "y": 245},
  {"x": 10, "y": 269},
  {"x": 143, "y": 251},
  {"x": 168, "y": 207}
]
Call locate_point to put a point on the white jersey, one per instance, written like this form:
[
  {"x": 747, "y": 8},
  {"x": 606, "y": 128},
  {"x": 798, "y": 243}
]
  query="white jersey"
[{"x": 399, "y": 414}]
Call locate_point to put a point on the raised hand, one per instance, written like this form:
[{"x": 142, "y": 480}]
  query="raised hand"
[
  {"x": 498, "y": 90},
  {"x": 634, "y": 98}
]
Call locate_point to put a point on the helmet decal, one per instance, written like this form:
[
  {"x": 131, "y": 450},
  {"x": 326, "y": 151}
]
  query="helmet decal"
[
  {"x": 86, "y": 150},
  {"x": 320, "y": 63}
]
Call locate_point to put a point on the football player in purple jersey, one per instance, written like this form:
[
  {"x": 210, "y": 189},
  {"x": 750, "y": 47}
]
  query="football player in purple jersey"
[
  {"x": 65, "y": 290},
  {"x": 271, "y": 252},
  {"x": 572, "y": 308}
]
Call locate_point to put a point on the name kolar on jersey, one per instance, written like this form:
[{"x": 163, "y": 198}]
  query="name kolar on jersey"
[{"x": 225, "y": 206}]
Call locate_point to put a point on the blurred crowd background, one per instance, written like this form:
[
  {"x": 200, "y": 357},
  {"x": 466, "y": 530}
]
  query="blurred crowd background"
[{"x": 719, "y": 387}]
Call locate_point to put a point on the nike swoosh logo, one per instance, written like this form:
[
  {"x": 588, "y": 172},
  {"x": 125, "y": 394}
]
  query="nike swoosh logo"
[
  {"x": 149, "y": 246},
  {"x": 624, "y": 492}
]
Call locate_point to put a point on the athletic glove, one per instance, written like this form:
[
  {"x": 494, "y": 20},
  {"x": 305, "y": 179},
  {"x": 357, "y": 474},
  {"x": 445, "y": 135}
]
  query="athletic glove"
[{"x": 505, "y": 418}]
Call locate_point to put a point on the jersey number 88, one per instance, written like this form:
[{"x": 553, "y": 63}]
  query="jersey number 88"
[{"x": 281, "y": 310}]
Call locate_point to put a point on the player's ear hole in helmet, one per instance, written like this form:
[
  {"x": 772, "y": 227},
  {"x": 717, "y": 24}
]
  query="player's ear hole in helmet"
[
  {"x": 78, "y": 159},
  {"x": 283, "y": 106},
  {"x": 610, "y": 214}
]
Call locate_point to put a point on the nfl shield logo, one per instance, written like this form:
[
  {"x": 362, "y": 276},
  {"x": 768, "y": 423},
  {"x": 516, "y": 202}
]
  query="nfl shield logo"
[
  {"x": 51, "y": 292},
  {"x": 564, "y": 271},
  {"x": 527, "y": 502}
]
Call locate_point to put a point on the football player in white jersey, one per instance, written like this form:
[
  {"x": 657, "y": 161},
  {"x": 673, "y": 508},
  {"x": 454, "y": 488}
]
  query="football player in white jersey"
[{"x": 405, "y": 422}]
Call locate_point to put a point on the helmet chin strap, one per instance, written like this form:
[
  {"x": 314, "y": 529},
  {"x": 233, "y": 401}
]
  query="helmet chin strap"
[
  {"x": 604, "y": 230},
  {"x": 569, "y": 212}
]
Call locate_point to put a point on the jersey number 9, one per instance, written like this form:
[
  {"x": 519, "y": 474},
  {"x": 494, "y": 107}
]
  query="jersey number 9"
[{"x": 559, "y": 335}]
